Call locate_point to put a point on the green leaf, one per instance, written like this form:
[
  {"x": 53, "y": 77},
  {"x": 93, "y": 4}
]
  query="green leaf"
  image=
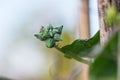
[
  {"x": 80, "y": 48},
  {"x": 105, "y": 65}
]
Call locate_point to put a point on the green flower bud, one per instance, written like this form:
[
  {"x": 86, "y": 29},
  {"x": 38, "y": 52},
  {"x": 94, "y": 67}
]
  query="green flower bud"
[
  {"x": 50, "y": 27},
  {"x": 58, "y": 30},
  {"x": 50, "y": 43},
  {"x": 43, "y": 35},
  {"x": 57, "y": 37},
  {"x": 50, "y": 35},
  {"x": 39, "y": 36}
]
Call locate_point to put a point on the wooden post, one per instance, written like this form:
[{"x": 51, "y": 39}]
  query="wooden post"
[
  {"x": 84, "y": 29},
  {"x": 84, "y": 32}
]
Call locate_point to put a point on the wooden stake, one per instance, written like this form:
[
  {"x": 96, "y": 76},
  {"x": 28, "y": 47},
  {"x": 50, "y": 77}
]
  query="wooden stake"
[
  {"x": 84, "y": 32},
  {"x": 84, "y": 29}
]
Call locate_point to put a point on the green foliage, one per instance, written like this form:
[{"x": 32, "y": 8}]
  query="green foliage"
[
  {"x": 50, "y": 35},
  {"x": 80, "y": 48},
  {"x": 117, "y": 22},
  {"x": 105, "y": 65},
  {"x": 112, "y": 16}
]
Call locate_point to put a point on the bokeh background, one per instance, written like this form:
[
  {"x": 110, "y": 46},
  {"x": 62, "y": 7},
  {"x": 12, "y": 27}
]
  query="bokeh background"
[{"x": 22, "y": 56}]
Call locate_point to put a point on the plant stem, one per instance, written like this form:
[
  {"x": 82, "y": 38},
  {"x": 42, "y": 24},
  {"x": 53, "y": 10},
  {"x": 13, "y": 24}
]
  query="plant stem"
[{"x": 74, "y": 56}]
